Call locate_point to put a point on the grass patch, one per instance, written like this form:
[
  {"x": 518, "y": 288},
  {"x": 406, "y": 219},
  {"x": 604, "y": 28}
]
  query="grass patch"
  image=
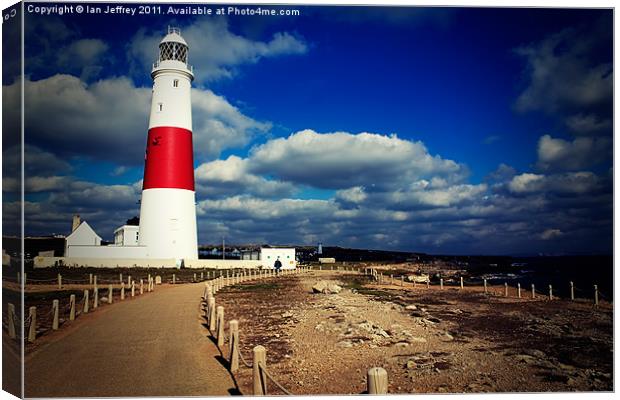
[{"x": 257, "y": 287}]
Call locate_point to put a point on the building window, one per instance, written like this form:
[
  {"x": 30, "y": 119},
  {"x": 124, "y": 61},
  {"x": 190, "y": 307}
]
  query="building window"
[{"x": 175, "y": 83}]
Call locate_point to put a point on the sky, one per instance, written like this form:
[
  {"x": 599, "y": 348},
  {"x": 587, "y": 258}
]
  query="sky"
[{"x": 438, "y": 130}]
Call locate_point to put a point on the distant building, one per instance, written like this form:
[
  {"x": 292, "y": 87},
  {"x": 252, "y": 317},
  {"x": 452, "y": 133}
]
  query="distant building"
[
  {"x": 126, "y": 235},
  {"x": 286, "y": 255}
]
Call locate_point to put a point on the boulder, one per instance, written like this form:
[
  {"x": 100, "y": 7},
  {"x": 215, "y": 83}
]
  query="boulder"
[
  {"x": 418, "y": 278},
  {"x": 326, "y": 287}
]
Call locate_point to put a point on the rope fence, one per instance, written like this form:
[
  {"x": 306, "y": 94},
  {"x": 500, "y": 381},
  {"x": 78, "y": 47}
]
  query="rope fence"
[
  {"x": 517, "y": 291},
  {"x": 214, "y": 316}
]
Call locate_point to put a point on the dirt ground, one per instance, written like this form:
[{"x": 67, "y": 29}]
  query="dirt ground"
[{"x": 428, "y": 340}]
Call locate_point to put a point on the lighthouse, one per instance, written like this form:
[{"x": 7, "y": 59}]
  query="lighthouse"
[{"x": 168, "y": 205}]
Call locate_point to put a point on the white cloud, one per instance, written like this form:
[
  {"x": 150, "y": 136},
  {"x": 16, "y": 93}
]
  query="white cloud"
[
  {"x": 562, "y": 74},
  {"x": 588, "y": 124},
  {"x": 215, "y": 49},
  {"x": 218, "y": 125},
  {"x": 231, "y": 177},
  {"x": 354, "y": 195},
  {"x": 342, "y": 160},
  {"x": 576, "y": 183},
  {"x": 550, "y": 234},
  {"x": 559, "y": 154},
  {"x": 108, "y": 120}
]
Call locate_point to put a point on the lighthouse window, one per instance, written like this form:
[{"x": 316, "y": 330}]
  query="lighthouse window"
[
  {"x": 161, "y": 106},
  {"x": 175, "y": 83}
]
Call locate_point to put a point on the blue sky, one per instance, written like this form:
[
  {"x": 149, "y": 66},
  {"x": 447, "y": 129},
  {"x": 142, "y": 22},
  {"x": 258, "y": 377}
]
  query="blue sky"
[{"x": 445, "y": 130}]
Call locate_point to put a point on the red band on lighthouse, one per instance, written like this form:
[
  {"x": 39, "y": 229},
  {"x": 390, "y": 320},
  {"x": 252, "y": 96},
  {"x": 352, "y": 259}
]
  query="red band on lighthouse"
[{"x": 169, "y": 159}]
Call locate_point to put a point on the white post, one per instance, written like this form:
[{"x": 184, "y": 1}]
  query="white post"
[
  {"x": 128, "y": 280},
  {"x": 485, "y": 286},
  {"x": 95, "y": 297},
  {"x": 518, "y": 290},
  {"x": 11, "y": 321},
  {"x": 32, "y": 331},
  {"x": 141, "y": 286},
  {"x": 220, "y": 326},
  {"x": 110, "y": 293},
  {"x": 55, "y": 318},
  {"x": 212, "y": 315},
  {"x": 233, "y": 338},
  {"x": 377, "y": 381},
  {"x": 259, "y": 363},
  {"x": 461, "y": 282},
  {"x": 59, "y": 281},
  {"x": 550, "y": 292},
  {"x": 120, "y": 278},
  {"x": 572, "y": 291},
  {"x": 174, "y": 279},
  {"x": 133, "y": 288},
  {"x": 122, "y": 290},
  {"x": 506, "y": 289},
  {"x": 90, "y": 279},
  {"x": 596, "y": 295},
  {"x": 440, "y": 283},
  {"x": 72, "y": 307}
]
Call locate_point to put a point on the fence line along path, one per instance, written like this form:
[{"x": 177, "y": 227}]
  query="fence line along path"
[{"x": 154, "y": 345}]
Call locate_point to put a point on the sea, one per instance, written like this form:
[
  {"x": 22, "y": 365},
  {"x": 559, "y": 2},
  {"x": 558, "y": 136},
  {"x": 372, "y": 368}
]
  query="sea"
[{"x": 558, "y": 271}]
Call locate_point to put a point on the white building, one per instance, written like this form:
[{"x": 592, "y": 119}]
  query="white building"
[
  {"x": 82, "y": 237},
  {"x": 286, "y": 255},
  {"x": 126, "y": 235}
]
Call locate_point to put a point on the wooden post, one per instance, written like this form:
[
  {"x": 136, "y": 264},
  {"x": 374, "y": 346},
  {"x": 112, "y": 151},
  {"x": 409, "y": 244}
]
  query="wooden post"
[
  {"x": 518, "y": 290},
  {"x": 233, "y": 338},
  {"x": 550, "y": 292},
  {"x": 194, "y": 277},
  {"x": 95, "y": 280},
  {"x": 55, "y": 317},
  {"x": 72, "y": 307},
  {"x": 110, "y": 293},
  {"x": 596, "y": 295},
  {"x": 133, "y": 288},
  {"x": 485, "y": 286},
  {"x": 202, "y": 276},
  {"x": 572, "y": 291},
  {"x": 461, "y": 282},
  {"x": 122, "y": 290},
  {"x": 220, "y": 326},
  {"x": 128, "y": 280},
  {"x": 141, "y": 286},
  {"x": 533, "y": 291},
  {"x": 174, "y": 279},
  {"x": 505, "y": 289},
  {"x": 90, "y": 279},
  {"x": 11, "y": 320},
  {"x": 120, "y": 278},
  {"x": 259, "y": 363},
  {"x": 377, "y": 381},
  {"x": 212, "y": 315},
  {"x": 95, "y": 297},
  {"x": 59, "y": 281},
  {"x": 32, "y": 331},
  {"x": 440, "y": 283}
]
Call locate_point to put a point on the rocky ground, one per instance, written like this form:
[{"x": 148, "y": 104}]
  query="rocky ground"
[{"x": 428, "y": 340}]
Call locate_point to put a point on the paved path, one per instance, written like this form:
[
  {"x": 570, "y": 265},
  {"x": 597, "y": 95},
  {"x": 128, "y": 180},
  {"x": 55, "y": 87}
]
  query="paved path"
[{"x": 154, "y": 345}]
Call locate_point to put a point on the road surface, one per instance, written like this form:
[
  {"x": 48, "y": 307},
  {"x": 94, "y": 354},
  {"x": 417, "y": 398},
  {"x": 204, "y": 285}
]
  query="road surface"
[{"x": 153, "y": 345}]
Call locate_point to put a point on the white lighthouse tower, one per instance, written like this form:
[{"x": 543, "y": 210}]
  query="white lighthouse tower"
[{"x": 168, "y": 206}]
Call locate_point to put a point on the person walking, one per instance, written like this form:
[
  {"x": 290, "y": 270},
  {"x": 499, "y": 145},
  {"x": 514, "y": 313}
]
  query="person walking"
[{"x": 277, "y": 265}]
